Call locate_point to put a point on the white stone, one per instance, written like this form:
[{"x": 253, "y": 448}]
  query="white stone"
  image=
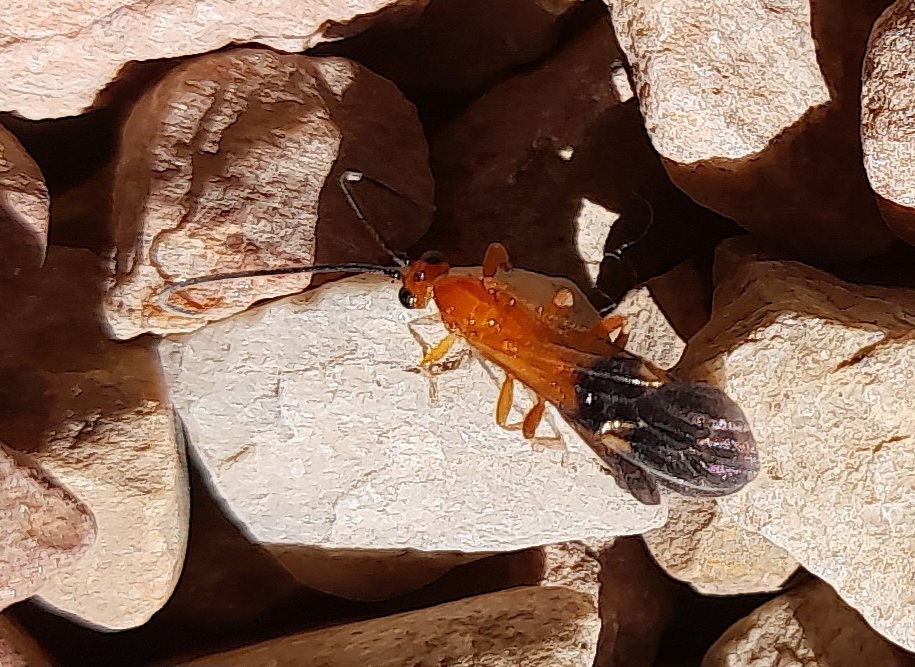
[{"x": 315, "y": 428}]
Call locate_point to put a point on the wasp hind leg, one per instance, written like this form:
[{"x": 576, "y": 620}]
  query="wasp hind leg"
[{"x": 496, "y": 258}]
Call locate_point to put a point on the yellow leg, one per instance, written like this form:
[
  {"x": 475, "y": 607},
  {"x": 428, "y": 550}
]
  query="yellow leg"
[
  {"x": 506, "y": 398},
  {"x": 532, "y": 419},
  {"x": 437, "y": 351},
  {"x": 496, "y": 258}
]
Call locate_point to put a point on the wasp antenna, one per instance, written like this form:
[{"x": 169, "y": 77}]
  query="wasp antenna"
[
  {"x": 163, "y": 296},
  {"x": 347, "y": 178}
]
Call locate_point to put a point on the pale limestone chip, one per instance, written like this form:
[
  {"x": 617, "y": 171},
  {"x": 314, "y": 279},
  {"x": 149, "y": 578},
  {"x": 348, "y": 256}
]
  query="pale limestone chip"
[
  {"x": 719, "y": 80},
  {"x": 534, "y": 626},
  {"x": 316, "y": 428},
  {"x": 810, "y": 626},
  {"x": 592, "y": 227},
  {"x": 24, "y": 201},
  {"x": 77, "y": 48},
  {"x": 887, "y": 129},
  {"x": 825, "y": 372}
]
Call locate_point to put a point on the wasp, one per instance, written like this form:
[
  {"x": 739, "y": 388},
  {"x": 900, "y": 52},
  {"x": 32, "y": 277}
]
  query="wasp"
[{"x": 646, "y": 427}]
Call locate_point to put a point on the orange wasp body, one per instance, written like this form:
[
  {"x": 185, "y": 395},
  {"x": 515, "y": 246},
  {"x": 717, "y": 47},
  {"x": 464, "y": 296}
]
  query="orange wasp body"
[{"x": 687, "y": 435}]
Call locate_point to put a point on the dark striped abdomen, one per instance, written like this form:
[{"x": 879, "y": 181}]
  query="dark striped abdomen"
[{"x": 690, "y": 436}]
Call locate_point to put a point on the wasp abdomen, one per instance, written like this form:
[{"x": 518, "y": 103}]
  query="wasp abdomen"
[{"x": 690, "y": 436}]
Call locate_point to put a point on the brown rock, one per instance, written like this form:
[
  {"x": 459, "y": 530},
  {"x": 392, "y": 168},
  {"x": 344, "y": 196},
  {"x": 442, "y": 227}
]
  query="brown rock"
[
  {"x": 43, "y": 526},
  {"x": 886, "y": 123},
  {"x": 76, "y": 49},
  {"x": 535, "y": 626},
  {"x": 18, "y": 649},
  {"x": 825, "y": 373},
  {"x": 458, "y": 45},
  {"x": 508, "y": 169},
  {"x": 749, "y": 126},
  {"x": 94, "y": 415},
  {"x": 636, "y": 603},
  {"x": 224, "y": 167},
  {"x": 809, "y": 626},
  {"x": 24, "y": 213},
  {"x": 715, "y": 555}
]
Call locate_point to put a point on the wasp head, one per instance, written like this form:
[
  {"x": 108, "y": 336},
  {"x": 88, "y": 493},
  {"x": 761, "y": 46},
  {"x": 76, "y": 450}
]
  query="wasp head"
[{"x": 418, "y": 279}]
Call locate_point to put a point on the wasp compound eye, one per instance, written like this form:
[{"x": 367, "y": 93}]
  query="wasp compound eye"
[{"x": 407, "y": 298}]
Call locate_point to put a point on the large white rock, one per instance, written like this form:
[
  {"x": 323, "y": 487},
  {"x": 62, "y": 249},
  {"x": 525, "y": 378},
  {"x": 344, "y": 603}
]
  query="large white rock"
[
  {"x": 316, "y": 428},
  {"x": 825, "y": 372}
]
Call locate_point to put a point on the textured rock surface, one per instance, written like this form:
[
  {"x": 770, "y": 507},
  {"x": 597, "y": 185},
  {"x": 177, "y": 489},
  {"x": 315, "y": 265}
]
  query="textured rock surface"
[
  {"x": 749, "y": 126},
  {"x": 887, "y": 130},
  {"x": 43, "y": 527},
  {"x": 223, "y": 167},
  {"x": 535, "y": 626},
  {"x": 809, "y": 626},
  {"x": 748, "y": 70},
  {"x": 24, "y": 205},
  {"x": 18, "y": 649},
  {"x": 714, "y": 554},
  {"x": 76, "y": 48},
  {"x": 825, "y": 372},
  {"x": 316, "y": 429},
  {"x": 93, "y": 414}
]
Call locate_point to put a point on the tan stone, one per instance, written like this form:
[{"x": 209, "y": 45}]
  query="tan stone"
[
  {"x": 715, "y": 555},
  {"x": 736, "y": 103},
  {"x": 94, "y": 415},
  {"x": 315, "y": 427},
  {"x": 546, "y": 626},
  {"x": 886, "y": 123},
  {"x": 719, "y": 80},
  {"x": 809, "y": 626},
  {"x": 823, "y": 369},
  {"x": 24, "y": 205},
  {"x": 224, "y": 167},
  {"x": 77, "y": 48},
  {"x": 43, "y": 527},
  {"x": 18, "y": 649}
]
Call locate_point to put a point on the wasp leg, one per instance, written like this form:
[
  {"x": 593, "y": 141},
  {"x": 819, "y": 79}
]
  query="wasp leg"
[
  {"x": 504, "y": 404},
  {"x": 437, "y": 351},
  {"x": 532, "y": 419},
  {"x": 613, "y": 323},
  {"x": 496, "y": 258}
]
